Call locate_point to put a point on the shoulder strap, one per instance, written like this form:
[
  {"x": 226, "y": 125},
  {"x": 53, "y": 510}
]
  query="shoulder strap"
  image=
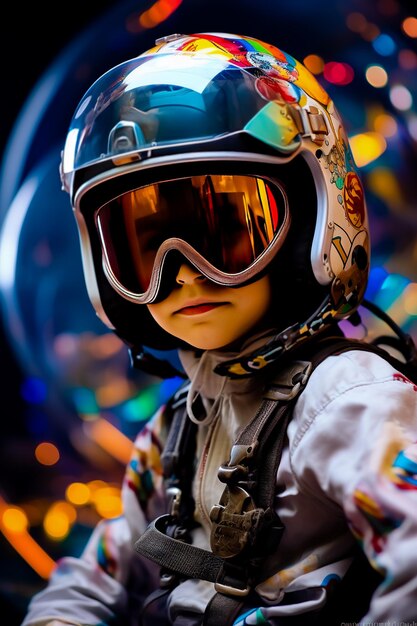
[
  {"x": 336, "y": 345},
  {"x": 178, "y": 459},
  {"x": 178, "y": 430}
]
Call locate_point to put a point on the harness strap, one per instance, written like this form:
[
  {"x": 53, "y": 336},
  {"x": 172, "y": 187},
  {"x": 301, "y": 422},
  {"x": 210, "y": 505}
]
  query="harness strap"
[
  {"x": 247, "y": 504},
  {"x": 179, "y": 432},
  {"x": 222, "y": 607},
  {"x": 175, "y": 555}
]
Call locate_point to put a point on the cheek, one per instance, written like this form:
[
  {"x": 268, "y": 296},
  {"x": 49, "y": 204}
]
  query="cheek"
[
  {"x": 158, "y": 313},
  {"x": 256, "y": 300},
  {"x": 248, "y": 310}
]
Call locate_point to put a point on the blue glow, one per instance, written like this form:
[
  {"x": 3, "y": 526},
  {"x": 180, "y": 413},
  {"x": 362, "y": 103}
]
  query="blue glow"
[
  {"x": 391, "y": 289},
  {"x": 85, "y": 400},
  {"x": 33, "y": 390},
  {"x": 377, "y": 277},
  {"x": 37, "y": 422},
  {"x": 168, "y": 387},
  {"x": 148, "y": 400},
  {"x": 384, "y": 45},
  {"x": 142, "y": 407}
]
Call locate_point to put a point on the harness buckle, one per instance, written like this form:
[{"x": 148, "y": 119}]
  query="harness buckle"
[
  {"x": 235, "y": 520},
  {"x": 167, "y": 579},
  {"x": 231, "y": 591},
  {"x": 175, "y": 493},
  {"x": 289, "y": 384}
]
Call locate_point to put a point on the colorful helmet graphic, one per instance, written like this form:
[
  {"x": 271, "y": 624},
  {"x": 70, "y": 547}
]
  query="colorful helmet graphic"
[{"x": 201, "y": 147}]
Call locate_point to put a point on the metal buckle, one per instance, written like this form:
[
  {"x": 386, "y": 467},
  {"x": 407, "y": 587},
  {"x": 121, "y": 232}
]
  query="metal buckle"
[
  {"x": 175, "y": 494},
  {"x": 167, "y": 580},
  {"x": 314, "y": 124},
  {"x": 289, "y": 384},
  {"x": 231, "y": 591}
]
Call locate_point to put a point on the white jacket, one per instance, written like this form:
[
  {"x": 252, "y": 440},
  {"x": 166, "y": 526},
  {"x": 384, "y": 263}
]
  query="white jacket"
[{"x": 348, "y": 474}]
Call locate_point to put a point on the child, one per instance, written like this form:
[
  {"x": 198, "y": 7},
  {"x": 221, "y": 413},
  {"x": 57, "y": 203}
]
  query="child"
[{"x": 221, "y": 214}]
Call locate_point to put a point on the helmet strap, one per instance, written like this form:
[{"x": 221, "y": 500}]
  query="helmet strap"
[
  {"x": 146, "y": 362},
  {"x": 280, "y": 345}
]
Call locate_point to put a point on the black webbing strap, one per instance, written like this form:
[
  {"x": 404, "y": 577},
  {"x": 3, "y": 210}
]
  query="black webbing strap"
[
  {"x": 175, "y": 555},
  {"x": 180, "y": 431},
  {"x": 223, "y": 610}
]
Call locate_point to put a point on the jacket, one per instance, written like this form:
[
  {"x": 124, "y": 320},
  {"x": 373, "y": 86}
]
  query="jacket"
[{"x": 348, "y": 477}]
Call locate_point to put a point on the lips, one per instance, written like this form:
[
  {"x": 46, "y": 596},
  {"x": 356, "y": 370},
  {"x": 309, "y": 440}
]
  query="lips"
[{"x": 198, "y": 308}]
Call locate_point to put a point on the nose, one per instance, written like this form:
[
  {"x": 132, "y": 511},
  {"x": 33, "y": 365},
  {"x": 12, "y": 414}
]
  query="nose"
[{"x": 188, "y": 274}]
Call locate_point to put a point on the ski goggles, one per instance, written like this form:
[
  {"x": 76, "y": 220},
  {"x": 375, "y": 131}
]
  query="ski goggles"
[{"x": 227, "y": 226}]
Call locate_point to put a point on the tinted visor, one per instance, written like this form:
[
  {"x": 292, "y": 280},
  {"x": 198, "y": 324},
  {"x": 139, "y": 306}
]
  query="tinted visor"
[{"x": 227, "y": 226}]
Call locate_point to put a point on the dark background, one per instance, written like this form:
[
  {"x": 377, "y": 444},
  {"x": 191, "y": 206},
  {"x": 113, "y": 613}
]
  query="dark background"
[{"x": 35, "y": 39}]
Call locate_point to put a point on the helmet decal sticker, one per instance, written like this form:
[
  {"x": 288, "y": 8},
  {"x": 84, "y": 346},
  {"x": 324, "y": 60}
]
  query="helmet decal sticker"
[
  {"x": 246, "y": 52},
  {"x": 349, "y": 250},
  {"x": 352, "y": 263},
  {"x": 270, "y": 65},
  {"x": 337, "y": 161},
  {"x": 271, "y": 88},
  {"x": 354, "y": 200}
]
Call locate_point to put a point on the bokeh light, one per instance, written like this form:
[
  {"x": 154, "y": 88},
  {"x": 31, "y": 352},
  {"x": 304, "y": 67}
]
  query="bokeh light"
[
  {"x": 338, "y": 73},
  {"x": 384, "y": 45},
  {"x": 401, "y": 97},
  {"x": 366, "y": 147},
  {"x": 78, "y": 493},
  {"x": 314, "y": 63},
  {"x": 409, "y": 26},
  {"x": 410, "y": 299},
  {"x": 407, "y": 59},
  {"x": 14, "y": 519},
  {"x": 158, "y": 13},
  {"x": 385, "y": 125},
  {"x": 384, "y": 185},
  {"x": 357, "y": 22},
  {"x": 388, "y": 8},
  {"x": 108, "y": 502},
  {"x": 412, "y": 126},
  {"x": 47, "y": 453},
  {"x": 58, "y": 520},
  {"x": 376, "y": 76}
]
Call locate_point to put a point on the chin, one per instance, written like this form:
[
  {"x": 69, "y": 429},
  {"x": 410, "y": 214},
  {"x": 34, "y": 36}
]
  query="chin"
[
  {"x": 208, "y": 346},
  {"x": 210, "y": 343}
]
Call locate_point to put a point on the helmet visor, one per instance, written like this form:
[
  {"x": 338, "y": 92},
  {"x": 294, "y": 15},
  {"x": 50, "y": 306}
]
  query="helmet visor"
[{"x": 227, "y": 226}]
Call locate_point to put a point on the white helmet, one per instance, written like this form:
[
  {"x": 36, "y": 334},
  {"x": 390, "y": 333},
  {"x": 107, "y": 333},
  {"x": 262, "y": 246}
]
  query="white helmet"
[{"x": 226, "y": 150}]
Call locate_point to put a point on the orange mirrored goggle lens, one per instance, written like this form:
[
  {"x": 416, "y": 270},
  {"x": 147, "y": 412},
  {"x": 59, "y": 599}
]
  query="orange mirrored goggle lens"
[{"x": 229, "y": 220}]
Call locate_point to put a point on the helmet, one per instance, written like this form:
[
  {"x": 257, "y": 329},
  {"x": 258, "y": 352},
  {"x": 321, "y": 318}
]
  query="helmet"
[{"x": 186, "y": 137}]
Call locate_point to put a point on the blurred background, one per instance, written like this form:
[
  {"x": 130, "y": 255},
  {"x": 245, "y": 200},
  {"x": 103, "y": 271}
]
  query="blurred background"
[{"x": 71, "y": 405}]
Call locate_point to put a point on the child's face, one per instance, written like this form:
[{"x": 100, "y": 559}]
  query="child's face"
[{"x": 209, "y": 316}]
